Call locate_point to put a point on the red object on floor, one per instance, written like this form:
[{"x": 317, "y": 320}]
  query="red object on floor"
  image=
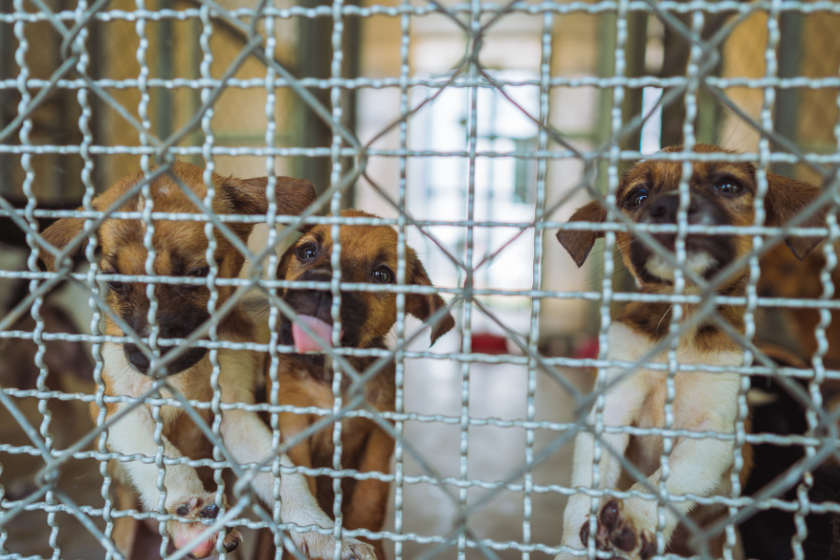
[
  {"x": 587, "y": 349},
  {"x": 487, "y": 343}
]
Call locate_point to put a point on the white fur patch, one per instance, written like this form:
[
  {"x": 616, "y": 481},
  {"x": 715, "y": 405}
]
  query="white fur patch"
[
  {"x": 703, "y": 401},
  {"x": 696, "y": 262}
]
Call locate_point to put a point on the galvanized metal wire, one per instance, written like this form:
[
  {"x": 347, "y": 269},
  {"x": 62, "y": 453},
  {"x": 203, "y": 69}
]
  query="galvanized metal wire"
[{"x": 475, "y": 19}]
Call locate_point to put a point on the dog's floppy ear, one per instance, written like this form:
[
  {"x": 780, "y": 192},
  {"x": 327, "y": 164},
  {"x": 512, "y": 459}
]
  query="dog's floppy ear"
[
  {"x": 579, "y": 242},
  {"x": 424, "y": 306},
  {"x": 785, "y": 198},
  {"x": 247, "y": 196},
  {"x": 59, "y": 235}
]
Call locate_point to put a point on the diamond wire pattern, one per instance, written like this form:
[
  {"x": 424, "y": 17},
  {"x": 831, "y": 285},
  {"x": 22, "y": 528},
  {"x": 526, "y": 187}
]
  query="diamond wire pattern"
[{"x": 469, "y": 73}]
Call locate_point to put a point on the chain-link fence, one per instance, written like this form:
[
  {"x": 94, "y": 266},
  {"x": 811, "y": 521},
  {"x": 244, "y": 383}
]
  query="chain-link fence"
[{"x": 474, "y": 129}]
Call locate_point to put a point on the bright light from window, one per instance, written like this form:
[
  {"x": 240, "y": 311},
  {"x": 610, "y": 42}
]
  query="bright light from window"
[{"x": 652, "y": 130}]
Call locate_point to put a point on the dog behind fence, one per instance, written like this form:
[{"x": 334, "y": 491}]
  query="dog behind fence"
[{"x": 243, "y": 379}]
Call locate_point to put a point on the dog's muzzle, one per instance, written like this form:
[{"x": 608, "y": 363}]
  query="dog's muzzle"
[
  {"x": 314, "y": 314},
  {"x": 314, "y": 310},
  {"x": 184, "y": 361},
  {"x": 704, "y": 253}
]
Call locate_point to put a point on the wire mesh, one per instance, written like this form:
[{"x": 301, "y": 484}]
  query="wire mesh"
[{"x": 474, "y": 297}]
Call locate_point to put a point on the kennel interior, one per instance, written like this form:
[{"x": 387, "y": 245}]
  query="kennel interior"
[{"x": 475, "y": 129}]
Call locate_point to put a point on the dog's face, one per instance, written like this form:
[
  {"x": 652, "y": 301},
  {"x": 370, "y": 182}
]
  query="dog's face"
[
  {"x": 720, "y": 194},
  {"x": 368, "y": 256},
  {"x": 180, "y": 249}
]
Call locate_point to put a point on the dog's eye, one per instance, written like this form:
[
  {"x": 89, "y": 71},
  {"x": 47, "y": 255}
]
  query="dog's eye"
[
  {"x": 636, "y": 198},
  {"x": 728, "y": 186},
  {"x": 307, "y": 252},
  {"x": 200, "y": 272},
  {"x": 117, "y": 286},
  {"x": 383, "y": 275}
]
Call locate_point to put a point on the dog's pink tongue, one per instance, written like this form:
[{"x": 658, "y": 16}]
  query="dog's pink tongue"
[{"x": 304, "y": 342}]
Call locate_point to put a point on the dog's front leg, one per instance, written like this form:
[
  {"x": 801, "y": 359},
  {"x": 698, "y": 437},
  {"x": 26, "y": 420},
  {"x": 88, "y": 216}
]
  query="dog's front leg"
[
  {"x": 369, "y": 502},
  {"x": 249, "y": 440},
  {"x": 620, "y": 409},
  {"x": 697, "y": 467},
  {"x": 185, "y": 494},
  {"x": 300, "y": 454}
]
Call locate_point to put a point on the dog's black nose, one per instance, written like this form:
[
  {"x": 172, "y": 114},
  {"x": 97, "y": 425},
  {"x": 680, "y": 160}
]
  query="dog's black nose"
[
  {"x": 312, "y": 302},
  {"x": 321, "y": 274},
  {"x": 185, "y": 360},
  {"x": 663, "y": 210},
  {"x": 136, "y": 358}
]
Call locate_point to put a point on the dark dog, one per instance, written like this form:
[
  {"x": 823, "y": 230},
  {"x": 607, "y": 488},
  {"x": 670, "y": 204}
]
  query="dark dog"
[
  {"x": 180, "y": 248},
  {"x": 721, "y": 193},
  {"x": 68, "y": 364},
  {"x": 368, "y": 255},
  {"x": 69, "y": 368},
  {"x": 768, "y": 533}
]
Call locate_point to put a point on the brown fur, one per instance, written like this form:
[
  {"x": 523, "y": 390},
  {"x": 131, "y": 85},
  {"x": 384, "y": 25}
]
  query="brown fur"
[
  {"x": 661, "y": 179},
  {"x": 366, "y": 447},
  {"x": 180, "y": 245},
  {"x": 784, "y": 276},
  {"x": 784, "y": 198},
  {"x": 180, "y": 248}
]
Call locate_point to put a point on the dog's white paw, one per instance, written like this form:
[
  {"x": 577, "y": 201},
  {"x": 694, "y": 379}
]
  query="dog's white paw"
[
  {"x": 316, "y": 546},
  {"x": 617, "y": 533},
  {"x": 198, "y": 508}
]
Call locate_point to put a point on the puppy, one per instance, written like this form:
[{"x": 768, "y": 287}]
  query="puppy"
[
  {"x": 783, "y": 276},
  {"x": 721, "y": 193},
  {"x": 68, "y": 362},
  {"x": 69, "y": 370},
  {"x": 368, "y": 255},
  {"x": 180, "y": 250}
]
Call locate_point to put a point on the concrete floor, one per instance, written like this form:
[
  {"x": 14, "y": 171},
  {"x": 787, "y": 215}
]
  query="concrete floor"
[{"x": 494, "y": 453}]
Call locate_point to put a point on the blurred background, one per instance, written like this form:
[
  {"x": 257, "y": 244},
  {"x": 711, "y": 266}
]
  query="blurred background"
[{"x": 573, "y": 53}]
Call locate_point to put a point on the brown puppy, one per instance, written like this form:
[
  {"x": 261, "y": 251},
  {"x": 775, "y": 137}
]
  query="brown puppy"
[
  {"x": 784, "y": 276},
  {"x": 368, "y": 255},
  {"x": 180, "y": 250},
  {"x": 721, "y": 193}
]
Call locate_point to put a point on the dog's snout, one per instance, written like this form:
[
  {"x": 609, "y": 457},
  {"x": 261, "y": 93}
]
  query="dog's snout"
[
  {"x": 321, "y": 274},
  {"x": 316, "y": 303},
  {"x": 136, "y": 358},
  {"x": 663, "y": 209},
  {"x": 174, "y": 320},
  {"x": 185, "y": 359},
  {"x": 177, "y": 325}
]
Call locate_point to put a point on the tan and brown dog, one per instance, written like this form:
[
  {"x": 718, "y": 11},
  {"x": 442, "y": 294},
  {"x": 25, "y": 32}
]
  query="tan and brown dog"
[
  {"x": 784, "y": 276},
  {"x": 180, "y": 250},
  {"x": 721, "y": 193},
  {"x": 368, "y": 255}
]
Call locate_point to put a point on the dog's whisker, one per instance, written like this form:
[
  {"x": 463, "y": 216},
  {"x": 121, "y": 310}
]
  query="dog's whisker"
[{"x": 667, "y": 311}]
